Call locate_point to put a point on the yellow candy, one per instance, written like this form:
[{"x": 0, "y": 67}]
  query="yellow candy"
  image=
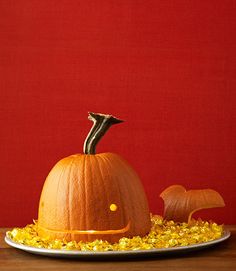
[{"x": 163, "y": 234}]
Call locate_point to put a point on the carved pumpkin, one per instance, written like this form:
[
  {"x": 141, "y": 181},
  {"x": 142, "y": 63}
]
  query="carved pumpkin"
[
  {"x": 93, "y": 196},
  {"x": 179, "y": 204}
]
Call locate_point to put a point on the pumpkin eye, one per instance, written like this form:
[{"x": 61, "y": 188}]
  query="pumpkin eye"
[{"x": 113, "y": 207}]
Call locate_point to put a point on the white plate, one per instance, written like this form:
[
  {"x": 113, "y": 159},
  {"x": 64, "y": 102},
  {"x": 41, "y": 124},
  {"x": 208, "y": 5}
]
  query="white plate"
[{"x": 131, "y": 253}]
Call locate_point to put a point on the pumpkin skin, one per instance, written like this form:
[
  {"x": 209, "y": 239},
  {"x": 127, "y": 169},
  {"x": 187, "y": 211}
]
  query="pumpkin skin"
[{"x": 76, "y": 200}]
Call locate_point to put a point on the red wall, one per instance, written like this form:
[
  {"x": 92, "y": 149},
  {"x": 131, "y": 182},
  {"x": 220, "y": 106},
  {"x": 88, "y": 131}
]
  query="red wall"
[{"x": 166, "y": 67}]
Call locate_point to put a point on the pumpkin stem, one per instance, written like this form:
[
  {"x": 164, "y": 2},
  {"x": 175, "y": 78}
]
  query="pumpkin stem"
[{"x": 101, "y": 123}]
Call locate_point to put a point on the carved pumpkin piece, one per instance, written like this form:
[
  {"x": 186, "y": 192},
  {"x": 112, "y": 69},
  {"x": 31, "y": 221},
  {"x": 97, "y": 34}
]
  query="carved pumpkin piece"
[
  {"x": 93, "y": 196},
  {"x": 179, "y": 204}
]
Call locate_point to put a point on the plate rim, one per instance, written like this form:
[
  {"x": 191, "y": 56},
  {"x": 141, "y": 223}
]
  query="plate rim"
[{"x": 79, "y": 253}]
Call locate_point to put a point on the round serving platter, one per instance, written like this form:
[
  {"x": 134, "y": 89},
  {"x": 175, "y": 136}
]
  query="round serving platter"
[{"x": 60, "y": 253}]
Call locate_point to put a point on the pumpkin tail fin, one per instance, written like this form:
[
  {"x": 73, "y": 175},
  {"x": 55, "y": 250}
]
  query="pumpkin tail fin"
[{"x": 179, "y": 204}]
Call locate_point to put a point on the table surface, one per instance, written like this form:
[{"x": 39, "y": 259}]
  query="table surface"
[{"x": 219, "y": 257}]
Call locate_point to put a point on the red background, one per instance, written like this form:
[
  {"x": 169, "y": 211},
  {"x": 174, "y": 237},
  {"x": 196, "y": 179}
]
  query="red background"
[{"x": 166, "y": 67}]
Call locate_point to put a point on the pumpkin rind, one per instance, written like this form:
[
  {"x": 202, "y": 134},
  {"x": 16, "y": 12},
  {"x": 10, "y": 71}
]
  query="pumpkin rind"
[{"x": 78, "y": 193}]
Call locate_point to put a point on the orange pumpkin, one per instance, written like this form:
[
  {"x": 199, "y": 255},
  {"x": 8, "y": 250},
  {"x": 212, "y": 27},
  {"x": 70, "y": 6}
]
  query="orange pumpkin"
[
  {"x": 179, "y": 204},
  {"x": 93, "y": 196}
]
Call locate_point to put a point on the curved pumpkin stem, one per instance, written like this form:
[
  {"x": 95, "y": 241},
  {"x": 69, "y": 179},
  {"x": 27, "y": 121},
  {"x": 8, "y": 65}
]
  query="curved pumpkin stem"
[{"x": 101, "y": 123}]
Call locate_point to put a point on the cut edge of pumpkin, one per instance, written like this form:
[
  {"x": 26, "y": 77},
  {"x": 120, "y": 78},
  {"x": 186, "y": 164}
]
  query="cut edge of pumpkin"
[{"x": 199, "y": 209}]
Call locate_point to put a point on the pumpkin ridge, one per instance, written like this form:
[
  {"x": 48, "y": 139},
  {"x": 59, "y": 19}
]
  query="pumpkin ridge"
[
  {"x": 103, "y": 184},
  {"x": 78, "y": 187},
  {"x": 68, "y": 193},
  {"x": 124, "y": 185},
  {"x": 62, "y": 176},
  {"x": 104, "y": 158},
  {"x": 125, "y": 165},
  {"x": 58, "y": 185},
  {"x": 85, "y": 190},
  {"x": 60, "y": 181}
]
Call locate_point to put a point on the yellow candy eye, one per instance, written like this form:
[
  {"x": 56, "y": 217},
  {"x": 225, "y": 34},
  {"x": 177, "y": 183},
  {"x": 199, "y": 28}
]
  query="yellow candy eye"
[{"x": 113, "y": 207}]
